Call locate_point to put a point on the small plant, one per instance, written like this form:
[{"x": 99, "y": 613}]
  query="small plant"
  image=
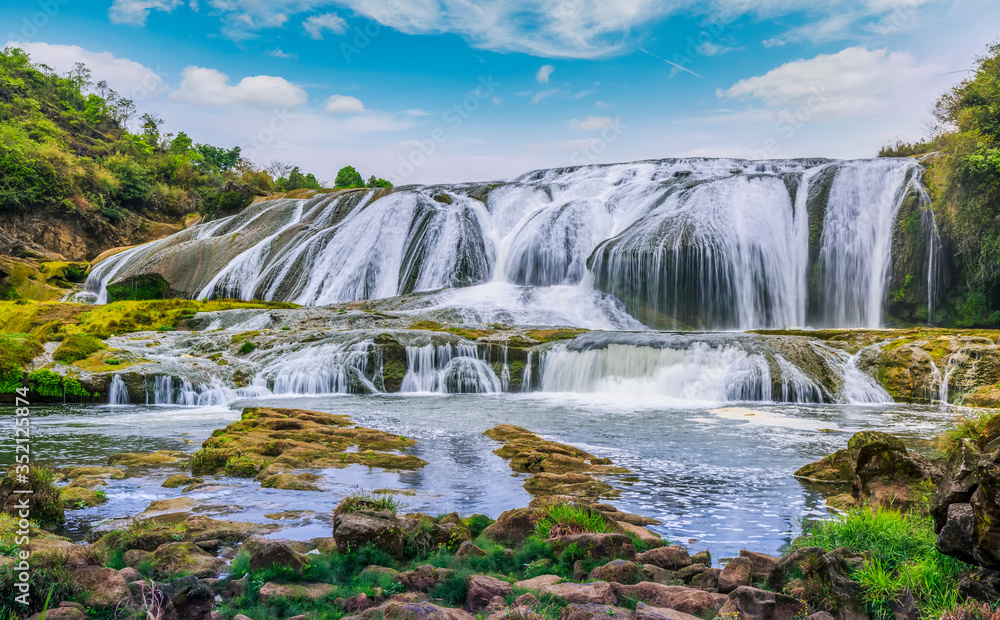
[
  {"x": 565, "y": 519},
  {"x": 247, "y": 348},
  {"x": 244, "y": 466},
  {"x": 968, "y": 426},
  {"x": 363, "y": 500},
  {"x": 76, "y": 347}
]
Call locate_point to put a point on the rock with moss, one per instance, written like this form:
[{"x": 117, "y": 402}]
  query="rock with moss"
[
  {"x": 180, "y": 480},
  {"x": 75, "y": 497},
  {"x": 291, "y": 482},
  {"x": 836, "y": 467},
  {"x": 886, "y": 473},
  {"x": 268, "y": 441},
  {"x": 160, "y": 458}
]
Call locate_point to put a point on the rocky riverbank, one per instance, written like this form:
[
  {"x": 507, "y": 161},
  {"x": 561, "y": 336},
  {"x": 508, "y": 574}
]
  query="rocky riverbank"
[{"x": 567, "y": 555}]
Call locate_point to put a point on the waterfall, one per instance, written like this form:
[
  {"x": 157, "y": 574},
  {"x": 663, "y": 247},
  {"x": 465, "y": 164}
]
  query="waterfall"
[
  {"x": 450, "y": 369},
  {"x": 334, "y": 368},
  {"x": 117, "y": 392},
  {"x": 674, "y": 367},
  {"x": 669, "y": 244},
  {"x": 169, "y": 390}
]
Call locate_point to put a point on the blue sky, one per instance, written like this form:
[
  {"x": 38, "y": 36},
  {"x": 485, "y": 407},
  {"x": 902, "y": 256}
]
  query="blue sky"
[{"x": 429, "y": 91}]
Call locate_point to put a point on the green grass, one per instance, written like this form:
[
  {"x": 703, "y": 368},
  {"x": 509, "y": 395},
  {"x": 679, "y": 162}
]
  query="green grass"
[
  {"x": 969, "y": 425},
  {"x": 16, "y": 352},
  {"x": 364, "y": 500},
  {"x": 76, "y": 347},
  {"x": 563, "y": 519},
  {"x": 901, "y": 553}
]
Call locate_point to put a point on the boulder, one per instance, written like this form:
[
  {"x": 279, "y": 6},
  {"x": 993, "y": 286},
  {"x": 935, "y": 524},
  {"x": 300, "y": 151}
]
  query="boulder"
[
  {"x": 673, "y": 557},
  {"x": 620, "y": 571},
  {"x": 539, "y": 582},
  {"x": 708, "y": 580},
  {"x": 482, "y": 590},
  {"x": 181, "y": 480},
  {"x": 190, "y": 599},
  {"x": 423, "y": 578},
  {"x": 648, "y": 612},
  {"x": 596, "y": 545},
  {"x": 961, "y": 476},
  {"x": 802, "y": 571},
  {"x": 657, "y": 574},
  {"x": 520, "y": 612},
  {"x": 513, "y": 527},
  {"x": 688, "y": 573},
  {"x": 702, "y": 557},
  {"x": 594, "y": 611},
  {"x": 353, "y": 605},
  {"x": 526, "y": 600},
  {"x": 737, "y": 572},
  {"x": 422, "y": 611},
  {"x": 172, "y": 559},
  {"x": 763, "y": 564},
  {"x": 956, "y": 536},
  {"x": 647, "y": 537},
  {"x": 985, "y": 503},
  {"x": 275, "y": 553},
  {"x": 682, "y": 598},
  {"x": 983, "y": 585},
  {"x": 469, "y": 550},
  {"x": 748, "y": 603},
  {"x": 596, "y": 592},
  {"x": 353, "y": 530},
  {"x": 301, "y": 590},
  {"x": 129, "y": 574},
  {"x": 61, "y": 613},
  {"x": 885, "y": 473},
  {"x": 135, "y": 557},
  {"x": 101, "y": 587},
  {"x": 836, "y": 467}
]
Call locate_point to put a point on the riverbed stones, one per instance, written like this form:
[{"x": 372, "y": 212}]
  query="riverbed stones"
[
  {"x": 599, "y": 592},
  {"x": 513, "y": 527},
  {"x": 682, "y": 598},
  {"x": 267, "y": 441},
  {"x": 594, "y": 611},
  {"x": 762, "y": 563},
  {"x": 750, "y": 603},
  {"x": 188, "y": 558},
  {"x": 291, "y": 482},
  {"x": 382, "y": 528},
  {"x": 673, "y": 557},
  {"x": 276, "y": 553},
  {"x": 537, "y": 583},
  {"x": 423, "y": 578},
  {"x": 100, "y": 587},
  {"x": 620, "y": 571},
  {"x": 596, "y": 545},
  {"x": 648, "y": 612},
  {"x": 482, "y": 589},
  {"x": 300, "y": 590},
  {"x": 180, "y": 480},
  {"x": 737, "y": 572},
  {"x": 160, "y": 458}
]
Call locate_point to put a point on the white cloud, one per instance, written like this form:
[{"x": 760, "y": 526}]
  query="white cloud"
[
  {"x": 546, "y": 28},
  {"x": 604, "y": 105},
  {"x": 135, "y": 12},
  {"x": 543, "y": 74},
  {"x": 278, "y": 53},
  {"x": 316, "y": 25},
  {"x": 209, "y": 87},
  {"x": 853, "y": 82},
  {"x": 593, "y": 123},
  {"x": 342, "y": 104},
  {"x": 129, "y": 78},
  {"x": 545, "y": 94}
]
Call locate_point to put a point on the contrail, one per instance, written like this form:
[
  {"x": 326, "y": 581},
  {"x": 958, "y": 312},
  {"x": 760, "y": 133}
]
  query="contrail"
[{"x": 673, "y": 64}]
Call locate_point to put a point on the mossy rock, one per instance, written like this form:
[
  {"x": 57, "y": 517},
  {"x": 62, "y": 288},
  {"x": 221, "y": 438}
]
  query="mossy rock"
[
  {"x": 273, "y": 440},
  {"x": 160, "y": 458},
  {"x": 836, "y": 467},
  {"x": 75, "y": 497},
  {"x": 110, "y": 473},
  {"x": 180, "y": 480},
  {"x": 571, "y": 484},
  {"x": 172, "y": 560},
  {"x": 291, "y": 482},
  {"x": 873, "y": 438}
]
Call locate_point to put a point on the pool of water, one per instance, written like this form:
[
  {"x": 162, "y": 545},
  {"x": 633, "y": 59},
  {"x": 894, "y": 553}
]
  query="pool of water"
[{"x": 717, "y": 478}]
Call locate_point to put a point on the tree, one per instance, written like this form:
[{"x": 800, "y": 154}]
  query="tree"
[
  {"x": 297, "y": 180},
  {"x": 181, "y": 144},
  {"x": 373, "y": 182},
  {"x": 348, "y": 177},
  {"x": 219, "y": 158}
]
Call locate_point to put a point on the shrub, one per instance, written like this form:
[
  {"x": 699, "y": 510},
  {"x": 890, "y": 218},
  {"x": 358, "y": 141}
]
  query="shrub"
[
  {"x": 76, "y": 347},
  {"x": 16, "y": 352},
  {"x": 45, "y": 382},
  {"x": 968, "y": 425},
  {"x": 247, "y": 348}
]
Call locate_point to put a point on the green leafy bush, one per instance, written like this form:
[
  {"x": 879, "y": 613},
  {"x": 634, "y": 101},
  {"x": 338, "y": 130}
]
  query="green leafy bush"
[{"x": 76, "y": 347}]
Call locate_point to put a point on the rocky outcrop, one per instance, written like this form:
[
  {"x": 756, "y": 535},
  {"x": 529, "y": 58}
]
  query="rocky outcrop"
[{"x": 753, "y": 604}]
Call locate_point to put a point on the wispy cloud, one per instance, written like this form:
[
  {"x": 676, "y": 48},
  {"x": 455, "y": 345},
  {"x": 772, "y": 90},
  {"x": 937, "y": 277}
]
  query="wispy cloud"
[
  {"x": 277, "y": 53},
  {"x": 316, "y": 25},
  {"x": 543, "y": 74}
]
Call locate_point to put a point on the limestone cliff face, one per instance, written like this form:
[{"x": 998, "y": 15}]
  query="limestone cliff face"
[{"x": 76, "y": 236}]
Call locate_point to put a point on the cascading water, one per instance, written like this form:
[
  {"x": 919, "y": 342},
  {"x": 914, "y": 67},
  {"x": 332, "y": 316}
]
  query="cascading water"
[
  {"x": 687, "y": 243},
  {"x": 453, "y": 369},
  {"x": 335, "y": 368},
  {"x": 118, "y": 392}
]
